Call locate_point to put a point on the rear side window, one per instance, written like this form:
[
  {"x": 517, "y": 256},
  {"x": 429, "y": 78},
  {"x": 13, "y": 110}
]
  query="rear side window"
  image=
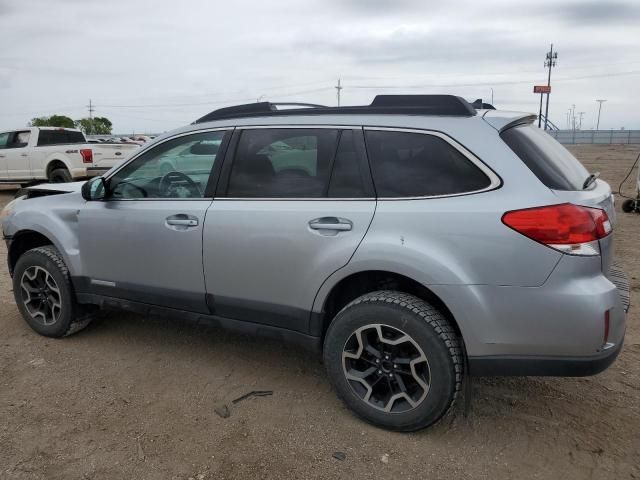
[
  {"x": 282, "y": 162},
  {"x": 417, "y": 165},
  {"x": 4, "y": 139},
  {"x": 347, "y": 177},
  {"x": 546, "y": 158},
  {"x": 59, "y": 137}
]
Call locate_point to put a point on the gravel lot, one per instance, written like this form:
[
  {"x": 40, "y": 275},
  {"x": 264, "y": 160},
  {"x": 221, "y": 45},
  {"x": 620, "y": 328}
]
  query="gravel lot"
[{"x": 134, "y": 397}]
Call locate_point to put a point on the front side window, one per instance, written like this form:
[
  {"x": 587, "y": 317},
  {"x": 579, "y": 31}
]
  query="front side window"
[
  {"x": 19, "y": 139},
  {"x": 282, "y": 162},
  {"x": 177, "y": 168},
  {"x": 417, "y": 165}
]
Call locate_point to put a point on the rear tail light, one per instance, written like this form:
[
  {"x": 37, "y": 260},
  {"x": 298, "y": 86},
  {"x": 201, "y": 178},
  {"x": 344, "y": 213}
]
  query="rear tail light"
[
  {"x": 569, "y": 228},
  {"x": 87, "y": 155}
]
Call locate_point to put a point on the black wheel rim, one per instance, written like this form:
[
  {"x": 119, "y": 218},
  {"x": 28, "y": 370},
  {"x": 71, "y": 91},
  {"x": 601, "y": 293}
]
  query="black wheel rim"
[
  {"x": 386, "y": 368},
  {"x": 40, "y": 295}
]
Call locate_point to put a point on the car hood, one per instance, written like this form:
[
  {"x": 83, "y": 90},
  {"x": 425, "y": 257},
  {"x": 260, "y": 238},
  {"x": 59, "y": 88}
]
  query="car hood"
[{"x": 57, "y": 187}]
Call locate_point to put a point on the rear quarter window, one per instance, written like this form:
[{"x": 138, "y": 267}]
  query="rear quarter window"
[
  {"x": 553, "y": 164},
  {"x": 408, "y": 164}
]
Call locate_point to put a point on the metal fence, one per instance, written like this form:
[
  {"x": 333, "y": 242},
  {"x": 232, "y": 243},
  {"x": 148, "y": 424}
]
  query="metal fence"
[{"x": 604, "y": 137}]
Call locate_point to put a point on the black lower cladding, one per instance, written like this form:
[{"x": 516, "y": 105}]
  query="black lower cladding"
[
  {"x": 255, "y": 318},
  {"x": 543, "y": 366},
  {"x": 163, "y": 297}
]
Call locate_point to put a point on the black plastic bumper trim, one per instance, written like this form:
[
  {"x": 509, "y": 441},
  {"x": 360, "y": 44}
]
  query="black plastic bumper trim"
[{"x": 499, "y": 365}]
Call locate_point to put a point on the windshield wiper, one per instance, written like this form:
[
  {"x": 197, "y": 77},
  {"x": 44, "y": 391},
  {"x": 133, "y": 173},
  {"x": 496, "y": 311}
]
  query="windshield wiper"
[{"x": 590, "y": 179}]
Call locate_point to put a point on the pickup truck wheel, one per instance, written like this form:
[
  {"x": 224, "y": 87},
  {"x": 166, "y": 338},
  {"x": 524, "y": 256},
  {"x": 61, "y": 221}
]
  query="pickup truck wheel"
[
  {"x": 394, "y": 360},
  {"x": 44, "y": 294},
  {"x": 59, "y": 175}
]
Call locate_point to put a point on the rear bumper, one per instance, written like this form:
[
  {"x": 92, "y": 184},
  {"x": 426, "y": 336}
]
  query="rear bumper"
[
  {"x": 543, "y": 366},
  {"x": 96, "y": 171}
]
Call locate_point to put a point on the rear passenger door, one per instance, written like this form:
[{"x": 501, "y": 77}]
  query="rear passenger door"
[
  {"x": 4, "y": 138},
  {"x": 291, "y": 208}
]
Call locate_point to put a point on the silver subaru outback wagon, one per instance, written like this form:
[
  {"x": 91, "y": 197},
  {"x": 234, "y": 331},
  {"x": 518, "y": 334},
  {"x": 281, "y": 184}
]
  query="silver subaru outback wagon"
[{"x": 414, "y": 241}]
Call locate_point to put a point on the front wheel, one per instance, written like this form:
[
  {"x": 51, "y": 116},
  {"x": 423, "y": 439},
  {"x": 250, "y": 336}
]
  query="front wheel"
[
  {"x": 44, "y": 295},
  {"x": 394, "y": 360}
]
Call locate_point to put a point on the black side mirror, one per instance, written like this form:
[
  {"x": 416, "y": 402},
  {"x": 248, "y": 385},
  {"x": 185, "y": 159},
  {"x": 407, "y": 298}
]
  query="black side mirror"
[{"x": 94, "y": 189}]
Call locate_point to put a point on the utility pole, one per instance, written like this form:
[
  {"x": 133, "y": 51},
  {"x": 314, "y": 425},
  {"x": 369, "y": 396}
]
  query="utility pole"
[
  {"x": 91, "y": 110},
  {"x": 601, "y": 101},
  {"x": 491, "y": 95},
  {"x": 549, "y": 62},
  {"x": 573, "y": 116},
  {"x": 580, "y": 124},
  {"x": 338, "y": 88}
]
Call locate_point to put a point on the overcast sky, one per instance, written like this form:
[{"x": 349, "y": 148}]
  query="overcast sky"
[{"x": 155, "y": 65}]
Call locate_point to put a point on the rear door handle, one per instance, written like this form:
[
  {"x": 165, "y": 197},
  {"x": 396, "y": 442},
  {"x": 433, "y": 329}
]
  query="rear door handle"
[
  {"x": 331, "y": 223},
  {"x": 181, "y": 221}
]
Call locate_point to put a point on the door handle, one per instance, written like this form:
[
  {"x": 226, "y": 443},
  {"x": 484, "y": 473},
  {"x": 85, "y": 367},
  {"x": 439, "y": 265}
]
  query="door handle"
[
  {"x": 182, "y": 221},
  {"x": 331, "y": 223},
  {"x": 23, "y": 154}
]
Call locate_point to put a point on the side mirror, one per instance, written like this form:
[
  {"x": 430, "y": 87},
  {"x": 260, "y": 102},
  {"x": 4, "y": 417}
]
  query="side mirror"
[{"x": 94, "y": 189}]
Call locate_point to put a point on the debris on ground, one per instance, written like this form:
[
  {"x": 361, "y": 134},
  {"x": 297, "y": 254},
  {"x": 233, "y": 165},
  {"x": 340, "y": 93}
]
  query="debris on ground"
[
  {"x": 339, "y": 455},
  {"x": 385, "y": 458},
  {"x": 253, "y": 393},
  {"x": 222, "y": 410}
]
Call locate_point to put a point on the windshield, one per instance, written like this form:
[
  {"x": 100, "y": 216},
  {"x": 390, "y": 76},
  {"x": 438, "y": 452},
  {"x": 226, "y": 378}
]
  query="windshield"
[{"x": 553, "y": 164}]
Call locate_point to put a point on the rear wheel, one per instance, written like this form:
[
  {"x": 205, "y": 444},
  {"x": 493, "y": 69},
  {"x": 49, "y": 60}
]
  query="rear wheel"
[
  {"x": 59, "y": 175},
  {"x": 629, "y": 205},
  {"x": 394, "y": 360},
  {"x": 44, "y": 295}
]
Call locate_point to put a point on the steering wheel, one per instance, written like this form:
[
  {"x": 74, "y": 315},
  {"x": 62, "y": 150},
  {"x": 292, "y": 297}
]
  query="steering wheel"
[{"x": 178, "y": 185}]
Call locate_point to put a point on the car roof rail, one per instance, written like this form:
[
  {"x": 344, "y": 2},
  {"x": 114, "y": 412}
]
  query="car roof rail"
[{"x": 447, "y": 105}]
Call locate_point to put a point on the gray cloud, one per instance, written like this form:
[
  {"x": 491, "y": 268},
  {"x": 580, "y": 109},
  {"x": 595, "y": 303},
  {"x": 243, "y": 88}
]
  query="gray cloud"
[
  {"x": 157, "y": 68},
  {"x": 598, "y": 12}
]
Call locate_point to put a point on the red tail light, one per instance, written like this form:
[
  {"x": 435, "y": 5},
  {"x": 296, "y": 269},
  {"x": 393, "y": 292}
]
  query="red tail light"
[
  {"x": 565, "y": 227},
  {"x": 87, "y": 155}
]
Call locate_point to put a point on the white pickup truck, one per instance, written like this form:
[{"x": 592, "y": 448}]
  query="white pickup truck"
[{"x": 55, "y": 155}]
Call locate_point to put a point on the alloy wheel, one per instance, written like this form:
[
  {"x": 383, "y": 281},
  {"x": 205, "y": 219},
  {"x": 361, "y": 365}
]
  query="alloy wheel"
[
  {"x": 386, "y": 368},
  {"x": 41, "y": 295}
]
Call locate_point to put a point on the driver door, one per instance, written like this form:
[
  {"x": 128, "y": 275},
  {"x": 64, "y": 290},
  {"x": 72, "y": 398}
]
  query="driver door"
[{"x": 144, "y": 242}]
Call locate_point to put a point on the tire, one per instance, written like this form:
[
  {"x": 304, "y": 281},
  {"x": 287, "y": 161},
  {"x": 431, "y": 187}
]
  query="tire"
[
  {"x": 42, "y": 272},
  {"x": 60, "y": 175},
  {"x": 629, "y": 205},
  {"x": 424, "y": 338}
]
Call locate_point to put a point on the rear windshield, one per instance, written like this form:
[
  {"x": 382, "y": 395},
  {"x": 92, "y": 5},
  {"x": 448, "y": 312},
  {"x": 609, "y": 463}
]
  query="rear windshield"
[
  {"x": 59, "y": 137},
  {"x": 548, "y": 160}
]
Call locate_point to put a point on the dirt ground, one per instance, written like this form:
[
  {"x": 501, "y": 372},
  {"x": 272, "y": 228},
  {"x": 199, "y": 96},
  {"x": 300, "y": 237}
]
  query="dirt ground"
[{"x": 133, "y": 397}]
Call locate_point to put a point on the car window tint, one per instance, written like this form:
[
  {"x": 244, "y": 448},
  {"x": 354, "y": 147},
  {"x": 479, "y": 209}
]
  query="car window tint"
[
  {"x": 282, "y": 163},
  {"x": 4, "y": 138},
  {"x": 415, "y": 165},
  {"x": 553, "y": 164},
  {"x": 347, "y": 179},
  {"x": 177, "y": 168},
  {"x": 59, "y": 137}
]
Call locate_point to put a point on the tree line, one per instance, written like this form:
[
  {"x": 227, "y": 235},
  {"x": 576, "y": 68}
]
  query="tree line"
[{"x": 90, "y": 126}]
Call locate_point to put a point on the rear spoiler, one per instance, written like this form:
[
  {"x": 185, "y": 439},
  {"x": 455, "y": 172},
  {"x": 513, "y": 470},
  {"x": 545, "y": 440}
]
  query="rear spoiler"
[{"x": 502, "y": 121}]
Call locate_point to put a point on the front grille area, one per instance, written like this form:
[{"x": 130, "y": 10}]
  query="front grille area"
[{"x": 620, "y": 280}]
